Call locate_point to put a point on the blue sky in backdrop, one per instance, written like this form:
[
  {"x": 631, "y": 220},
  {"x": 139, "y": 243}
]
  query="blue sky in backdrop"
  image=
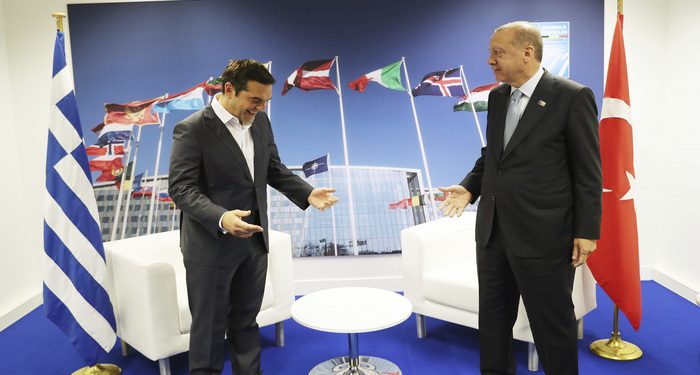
[{"x": 133, "y": 51}]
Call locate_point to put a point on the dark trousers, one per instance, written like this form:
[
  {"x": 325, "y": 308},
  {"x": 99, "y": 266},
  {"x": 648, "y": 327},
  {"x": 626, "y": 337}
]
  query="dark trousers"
[
  {"x": 224, "y": 301},
  {"x": 545, "y": 285}
]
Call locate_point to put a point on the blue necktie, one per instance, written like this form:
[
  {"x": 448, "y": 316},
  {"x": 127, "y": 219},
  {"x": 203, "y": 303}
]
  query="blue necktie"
[{"x": 512, "y": 117}]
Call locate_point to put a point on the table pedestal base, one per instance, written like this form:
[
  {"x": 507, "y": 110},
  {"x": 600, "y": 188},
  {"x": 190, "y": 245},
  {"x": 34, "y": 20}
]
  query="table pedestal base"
[{"x": 365, "y": 366}]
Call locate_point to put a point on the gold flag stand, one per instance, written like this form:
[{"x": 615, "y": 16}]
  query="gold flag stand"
[
  {"x": 100, "y": 368},
  {"x": 615, "y": 348}
]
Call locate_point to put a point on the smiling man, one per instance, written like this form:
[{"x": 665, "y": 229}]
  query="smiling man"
[
  {"x": 540, "y": 183},
  {"x": 223, "y": 157}
]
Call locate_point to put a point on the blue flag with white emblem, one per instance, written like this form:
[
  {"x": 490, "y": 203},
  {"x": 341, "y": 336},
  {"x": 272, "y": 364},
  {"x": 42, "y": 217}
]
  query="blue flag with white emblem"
[
  {"x": 75, "y": 272},
  {"x": 316, "y": 166}
]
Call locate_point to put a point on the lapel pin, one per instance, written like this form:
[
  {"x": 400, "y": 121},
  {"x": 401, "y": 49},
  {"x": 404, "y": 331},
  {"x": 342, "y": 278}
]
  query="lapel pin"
[{"x": 542, "y": 103}]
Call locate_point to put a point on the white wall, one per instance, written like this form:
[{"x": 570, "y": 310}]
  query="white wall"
[
  {"x": 645, "y": 26},
  {"x": 21, "y": 166},
  {"x": 26, "y": 56},
  {"x": 678, "y": 138},
  {"x": 662, "y": 53}
]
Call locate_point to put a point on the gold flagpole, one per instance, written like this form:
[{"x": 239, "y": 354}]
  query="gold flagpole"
[
  {"x": 615, "y": 348},
  {"x": 99, "y": 368}
]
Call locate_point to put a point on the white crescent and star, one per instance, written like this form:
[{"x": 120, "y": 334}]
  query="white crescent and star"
[{"x": 629, "y": 194}]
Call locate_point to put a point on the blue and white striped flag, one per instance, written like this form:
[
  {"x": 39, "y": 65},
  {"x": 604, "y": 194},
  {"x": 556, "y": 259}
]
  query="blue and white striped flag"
[{"x": 75, "y": 273}]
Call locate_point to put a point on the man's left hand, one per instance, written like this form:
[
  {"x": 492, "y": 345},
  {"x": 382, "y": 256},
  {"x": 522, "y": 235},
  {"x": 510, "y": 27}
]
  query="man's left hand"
[
  {"x": 322, "y": 198},
  {"x": 583, "y": 248}
]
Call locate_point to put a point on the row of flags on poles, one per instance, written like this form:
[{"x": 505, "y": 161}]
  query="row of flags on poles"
[
  {"x": 116, "y": 131},
  {"x": 75, "y": 293},
  {"x": 315, "y": 75},
  {"x": 120, "y": 120}
]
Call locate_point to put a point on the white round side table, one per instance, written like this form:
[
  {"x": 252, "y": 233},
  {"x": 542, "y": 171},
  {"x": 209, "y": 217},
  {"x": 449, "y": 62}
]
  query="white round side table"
[{"x": 352, "y": 310}]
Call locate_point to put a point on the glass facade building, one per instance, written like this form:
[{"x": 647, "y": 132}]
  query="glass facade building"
[
  {"x": 385, "y": 201},
  {"x": 378, "y": 220},
  {"x": 166, "y": 216}
]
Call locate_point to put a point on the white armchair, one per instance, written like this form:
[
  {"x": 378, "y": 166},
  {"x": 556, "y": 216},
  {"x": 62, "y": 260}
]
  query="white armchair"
[
  {"x": 440, "y": 280},
  {"x": 150, "y": 296}
]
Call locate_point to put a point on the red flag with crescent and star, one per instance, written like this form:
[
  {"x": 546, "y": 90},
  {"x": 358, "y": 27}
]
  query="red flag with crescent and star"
[{"x": 615, "y": 263}]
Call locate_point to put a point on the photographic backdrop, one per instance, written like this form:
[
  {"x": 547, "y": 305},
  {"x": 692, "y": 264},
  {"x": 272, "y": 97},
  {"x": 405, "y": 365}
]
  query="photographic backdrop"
[{"x": 124, "y": 52}]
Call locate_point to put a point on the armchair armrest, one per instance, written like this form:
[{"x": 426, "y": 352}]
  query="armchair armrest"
[
  {"x": 279, "y": 287},
  {"x": 144, "y": 293},
  {"x": 436, "y": 247}
]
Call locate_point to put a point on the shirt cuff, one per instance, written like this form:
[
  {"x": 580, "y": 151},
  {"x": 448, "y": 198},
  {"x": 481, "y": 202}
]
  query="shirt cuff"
[{"x": 221, "y": 227}]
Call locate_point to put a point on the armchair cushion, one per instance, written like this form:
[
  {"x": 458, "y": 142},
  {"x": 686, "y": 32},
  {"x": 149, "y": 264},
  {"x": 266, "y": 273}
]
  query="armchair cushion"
[{"x": 455, "y": 280}]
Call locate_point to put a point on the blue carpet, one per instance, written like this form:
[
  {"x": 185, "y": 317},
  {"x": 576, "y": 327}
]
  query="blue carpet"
[{"x": 669, "y": 336}]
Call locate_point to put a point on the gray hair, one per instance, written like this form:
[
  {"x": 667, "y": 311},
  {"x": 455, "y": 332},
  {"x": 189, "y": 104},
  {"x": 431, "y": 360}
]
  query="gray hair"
[{"x": 526, "y": 34}]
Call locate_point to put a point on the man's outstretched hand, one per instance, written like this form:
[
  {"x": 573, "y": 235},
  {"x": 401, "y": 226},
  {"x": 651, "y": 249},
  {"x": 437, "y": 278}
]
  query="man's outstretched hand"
[
  {"x": 456, "y": 200},
  {"x": 322, "y": 198}
]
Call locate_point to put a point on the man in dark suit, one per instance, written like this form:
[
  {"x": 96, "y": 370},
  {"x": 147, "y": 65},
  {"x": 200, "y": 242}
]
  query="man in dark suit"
[
  {"x": 540, "y": 184},
  {"x": 223, "y": 157}
]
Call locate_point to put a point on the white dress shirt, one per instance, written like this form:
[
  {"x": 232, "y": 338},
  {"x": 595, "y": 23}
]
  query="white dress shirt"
[{"x": 241, "y": 134}]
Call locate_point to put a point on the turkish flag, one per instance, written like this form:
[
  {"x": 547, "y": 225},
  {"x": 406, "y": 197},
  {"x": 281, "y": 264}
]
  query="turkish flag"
[{"x": 615, "y": 263}]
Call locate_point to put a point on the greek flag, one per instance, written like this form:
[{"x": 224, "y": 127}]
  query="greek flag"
[{"x": 75, "y": 274}]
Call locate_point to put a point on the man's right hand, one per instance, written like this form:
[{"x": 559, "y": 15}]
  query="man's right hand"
[
  {"x": 456, "y": 200},
  {"x": 233, "y": 223}
]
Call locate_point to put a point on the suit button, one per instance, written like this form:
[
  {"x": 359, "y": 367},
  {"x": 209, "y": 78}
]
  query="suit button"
[{"x": 499, "y": 172}]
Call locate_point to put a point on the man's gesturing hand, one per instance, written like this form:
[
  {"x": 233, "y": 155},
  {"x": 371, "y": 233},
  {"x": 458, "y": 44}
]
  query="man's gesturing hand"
[
  {"x": 322, "y": 198},
  {"x": 233, "y": 223},
  {"x": 456, "y": 201}
]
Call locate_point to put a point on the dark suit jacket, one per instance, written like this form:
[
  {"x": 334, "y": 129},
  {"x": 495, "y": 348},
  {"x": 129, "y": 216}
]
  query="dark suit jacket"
[
  {"x": 545, "y": 187},
  {"x": 209, "y": 176}
]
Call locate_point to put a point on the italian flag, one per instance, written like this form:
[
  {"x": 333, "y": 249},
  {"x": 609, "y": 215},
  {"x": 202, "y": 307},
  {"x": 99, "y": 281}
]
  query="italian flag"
[
  {"x": 388, "y": 76},
  {"x": 479, "y": 99}
]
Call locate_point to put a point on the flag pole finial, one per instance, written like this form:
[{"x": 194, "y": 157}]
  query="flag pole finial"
[
  {"x": 59, "y": 20},
  {"x": 619, "y": 6}
]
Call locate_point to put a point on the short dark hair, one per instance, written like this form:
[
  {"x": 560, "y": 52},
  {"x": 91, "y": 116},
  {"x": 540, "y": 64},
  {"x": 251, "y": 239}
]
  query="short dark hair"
[
  {"x": 526, "y": 34},
  {"x": 239, "y": 72}
]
